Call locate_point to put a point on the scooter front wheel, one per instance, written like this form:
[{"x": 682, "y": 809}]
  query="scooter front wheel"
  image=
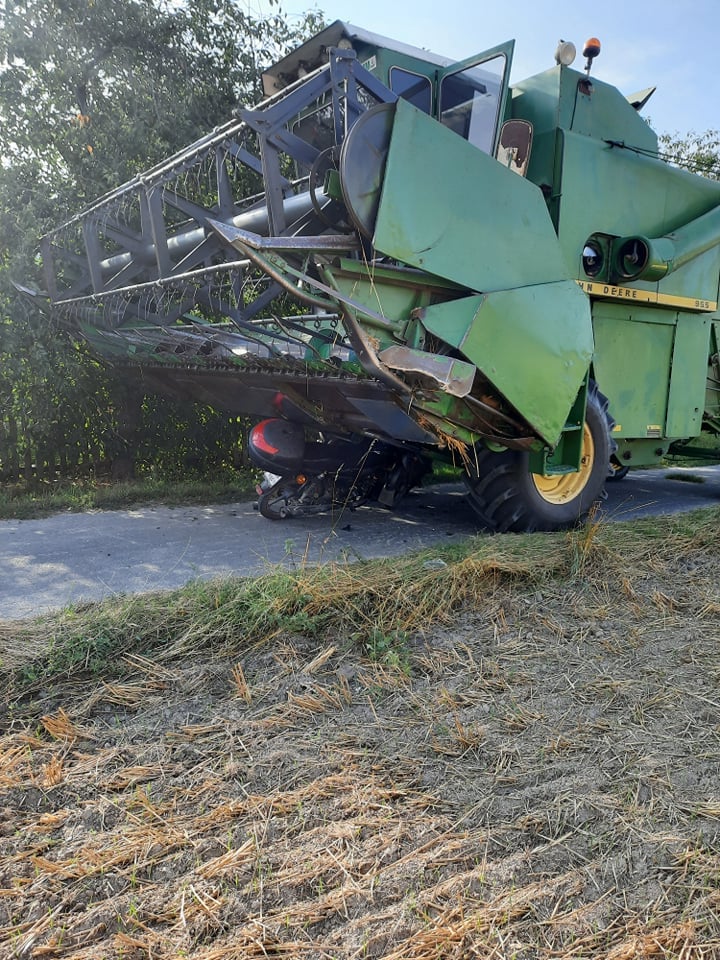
[{"x": 273, "y": 505}]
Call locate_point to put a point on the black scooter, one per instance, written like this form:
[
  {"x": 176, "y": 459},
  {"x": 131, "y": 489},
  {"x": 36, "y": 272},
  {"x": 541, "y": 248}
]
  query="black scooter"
[{"x": 305, "y": 477}]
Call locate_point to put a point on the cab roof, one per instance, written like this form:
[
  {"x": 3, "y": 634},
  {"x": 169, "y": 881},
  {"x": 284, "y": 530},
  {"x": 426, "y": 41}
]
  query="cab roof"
[{"x": 313, "y": 53}]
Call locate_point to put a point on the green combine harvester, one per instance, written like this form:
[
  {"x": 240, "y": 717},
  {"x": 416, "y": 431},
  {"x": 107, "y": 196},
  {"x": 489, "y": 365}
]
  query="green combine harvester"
[{"x": 395, "y": 258}]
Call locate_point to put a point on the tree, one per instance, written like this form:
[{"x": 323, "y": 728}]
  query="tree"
[
  {"x": 95, "y": 91},
  {"x": 697, "y": 152},
  {"x": 91, "y": 93}
]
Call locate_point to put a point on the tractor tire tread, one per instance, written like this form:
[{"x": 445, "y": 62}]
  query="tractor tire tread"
[{"x": 503, "y": 497}]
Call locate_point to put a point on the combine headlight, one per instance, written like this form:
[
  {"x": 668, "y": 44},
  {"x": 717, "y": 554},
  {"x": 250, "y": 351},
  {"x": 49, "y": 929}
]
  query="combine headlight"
[
  {"x": 593, "y": 258},
  {"x": 565, "y": 53}
]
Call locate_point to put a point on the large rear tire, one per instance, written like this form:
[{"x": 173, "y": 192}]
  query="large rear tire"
[{"x": 508, "y": 498}]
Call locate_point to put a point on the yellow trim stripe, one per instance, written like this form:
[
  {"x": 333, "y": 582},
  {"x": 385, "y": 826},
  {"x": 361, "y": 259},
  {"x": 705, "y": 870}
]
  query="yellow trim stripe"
[{"x": 611, "y": 292}]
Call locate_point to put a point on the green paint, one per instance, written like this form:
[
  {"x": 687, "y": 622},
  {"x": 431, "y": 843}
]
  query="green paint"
[
  {"x": 453, "y": 211},
  {"x": 533, "y": 344}
]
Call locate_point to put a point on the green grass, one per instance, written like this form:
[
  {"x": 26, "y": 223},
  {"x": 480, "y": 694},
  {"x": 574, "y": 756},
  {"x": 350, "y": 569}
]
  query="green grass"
[
  {"x": 18, "y": 502},
  {"x": 685, "y": 477}
]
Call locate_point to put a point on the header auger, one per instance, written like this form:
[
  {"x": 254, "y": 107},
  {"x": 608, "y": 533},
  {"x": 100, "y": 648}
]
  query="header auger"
[{"x": 394, "y": 257}]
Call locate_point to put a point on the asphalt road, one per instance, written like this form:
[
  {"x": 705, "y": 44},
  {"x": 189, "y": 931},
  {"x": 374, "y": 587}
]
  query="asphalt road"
[{"x": 61, "y": 560}]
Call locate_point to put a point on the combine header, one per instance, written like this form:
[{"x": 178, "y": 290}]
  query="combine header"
[{"x": 394, "y": 257}]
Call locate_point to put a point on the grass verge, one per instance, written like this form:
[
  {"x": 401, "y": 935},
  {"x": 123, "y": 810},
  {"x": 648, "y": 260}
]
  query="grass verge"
[
  {"x": 374, "y": 601},
  {"x": 18, "y": 502}
]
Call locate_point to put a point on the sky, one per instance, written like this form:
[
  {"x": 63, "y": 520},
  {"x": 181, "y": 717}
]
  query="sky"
[{"x": 644, "y": 44}]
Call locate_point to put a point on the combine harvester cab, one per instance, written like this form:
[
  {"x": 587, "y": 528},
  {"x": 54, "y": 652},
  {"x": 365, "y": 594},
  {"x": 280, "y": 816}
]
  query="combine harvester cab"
[{"x": 394, "y": 257}]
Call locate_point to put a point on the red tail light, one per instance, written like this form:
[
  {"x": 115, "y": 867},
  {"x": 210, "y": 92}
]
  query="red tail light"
[{"x": 259, "y": 439}]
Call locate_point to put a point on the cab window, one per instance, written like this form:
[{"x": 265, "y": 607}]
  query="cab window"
[
  {"x": 470, "y": 101},
  {"x": 413, "y": 87}
]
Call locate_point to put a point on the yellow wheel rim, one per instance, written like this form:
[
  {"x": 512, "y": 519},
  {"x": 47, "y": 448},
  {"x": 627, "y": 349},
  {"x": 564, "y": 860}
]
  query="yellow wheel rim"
[{"x": 563, "y": 487}]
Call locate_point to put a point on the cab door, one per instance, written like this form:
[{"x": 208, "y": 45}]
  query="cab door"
[{"x": 472, "y": 95}]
